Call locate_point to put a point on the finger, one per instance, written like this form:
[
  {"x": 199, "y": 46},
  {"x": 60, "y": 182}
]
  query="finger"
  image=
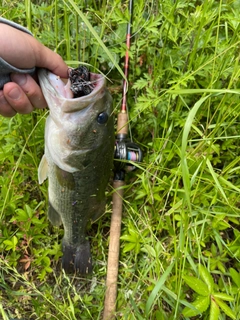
[
  {"x": 17, "y": 98},
  {"x": 48, "y": 59},
  {"x": 24, "y": 95},
  {"x": 5, "y": 108},
  {"x": 31, "y": 89}
]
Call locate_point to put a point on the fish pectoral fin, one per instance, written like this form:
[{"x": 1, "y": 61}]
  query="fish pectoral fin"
[
  {"x": 99, "y": 211},
  {"x": 43, "y": 170},
  {"x": 54, "y": 216}
]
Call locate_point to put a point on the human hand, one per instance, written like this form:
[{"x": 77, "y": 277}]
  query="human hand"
[{"x": 23, "y": 51}]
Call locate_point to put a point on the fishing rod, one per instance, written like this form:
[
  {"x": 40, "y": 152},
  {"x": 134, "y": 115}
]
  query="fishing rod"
[{"x": 125, "y": 150}]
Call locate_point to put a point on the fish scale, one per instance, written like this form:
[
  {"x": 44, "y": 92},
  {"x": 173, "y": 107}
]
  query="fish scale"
[{"x": 79, "y": 148}]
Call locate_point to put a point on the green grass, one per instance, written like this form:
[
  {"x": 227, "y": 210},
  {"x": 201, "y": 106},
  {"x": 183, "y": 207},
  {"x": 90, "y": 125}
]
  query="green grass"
[{"x": 180, "y": 244}]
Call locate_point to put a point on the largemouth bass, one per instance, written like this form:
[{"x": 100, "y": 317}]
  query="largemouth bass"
[{"x": 79, "y": 148}]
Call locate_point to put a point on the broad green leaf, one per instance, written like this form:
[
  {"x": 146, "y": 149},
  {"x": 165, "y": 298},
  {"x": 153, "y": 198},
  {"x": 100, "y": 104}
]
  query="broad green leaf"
[
  {"x": 157, "y": 197},
  {"x": 235, "y": 276},
  {"x": 223, "y": 296},
  {"x": 225, "y": 308},
  {"x": 214, "y": 310},
  {"x": 149, "y": 250},
  {"x": 29, "y": 210},
  {"x": 130, "y": 237},
  {"x": 199, "y": 306},
  {"x": 21, "y": 215},
  {"x": 197, "y": 285},
  {"x": 11, "y": 244},
  {"x": 213, "y": 249},
  {"x": 206, "y": 276},
  {"x": 37, "y": 221},
  {"x": 48, "y": 269},
  {"x": 221, "y": 267},
  {"x": 129, "y": 247},
  {"x": 14, "y": 240}
]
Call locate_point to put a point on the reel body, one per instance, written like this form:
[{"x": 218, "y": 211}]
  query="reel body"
[{"x": 125, "y": 155}]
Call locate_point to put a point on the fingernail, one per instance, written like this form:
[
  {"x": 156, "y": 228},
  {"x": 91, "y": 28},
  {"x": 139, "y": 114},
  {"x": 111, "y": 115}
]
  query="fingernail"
[
  {"x": 20, "y": 79},
  {"x": 14, "y": 94}
]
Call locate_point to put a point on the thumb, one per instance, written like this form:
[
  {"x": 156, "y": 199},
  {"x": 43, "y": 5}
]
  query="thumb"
[{"x": 46, "y": 58}]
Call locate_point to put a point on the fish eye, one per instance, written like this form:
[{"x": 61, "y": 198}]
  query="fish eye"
[{"x": 102, "y": 118}]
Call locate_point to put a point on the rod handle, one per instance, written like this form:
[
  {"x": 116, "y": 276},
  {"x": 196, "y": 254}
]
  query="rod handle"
[
  {"x": 122, "y": 124},
  {"x": 113, "y": 253}
]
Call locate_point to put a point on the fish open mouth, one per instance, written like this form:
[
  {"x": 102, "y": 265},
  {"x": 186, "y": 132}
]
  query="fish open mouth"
[{"x": 79, "y": 84}]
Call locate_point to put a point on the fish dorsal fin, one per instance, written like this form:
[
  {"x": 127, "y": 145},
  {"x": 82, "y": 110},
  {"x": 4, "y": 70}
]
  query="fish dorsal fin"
[{"x": 43, "y": 170}]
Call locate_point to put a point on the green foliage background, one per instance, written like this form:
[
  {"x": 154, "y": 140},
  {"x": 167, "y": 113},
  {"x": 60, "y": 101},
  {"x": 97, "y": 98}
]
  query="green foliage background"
[{"x": 180, "y": 244}]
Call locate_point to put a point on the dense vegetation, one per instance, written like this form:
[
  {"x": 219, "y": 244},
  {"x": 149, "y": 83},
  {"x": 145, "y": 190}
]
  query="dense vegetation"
[{"x": 180, "y": 244}]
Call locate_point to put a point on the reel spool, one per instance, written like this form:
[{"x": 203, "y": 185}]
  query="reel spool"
[{"x": 125, "y": 151}]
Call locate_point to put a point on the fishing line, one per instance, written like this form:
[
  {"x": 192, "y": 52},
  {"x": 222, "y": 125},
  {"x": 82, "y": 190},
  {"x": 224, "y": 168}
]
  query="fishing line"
[{"x": 146, "y": 20}]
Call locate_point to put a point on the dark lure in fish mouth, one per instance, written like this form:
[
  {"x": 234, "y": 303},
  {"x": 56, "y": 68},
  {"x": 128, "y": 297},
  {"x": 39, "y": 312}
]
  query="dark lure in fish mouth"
[
  {"x": 79, "y": 149},
  {"x": 81, "y": 84}
]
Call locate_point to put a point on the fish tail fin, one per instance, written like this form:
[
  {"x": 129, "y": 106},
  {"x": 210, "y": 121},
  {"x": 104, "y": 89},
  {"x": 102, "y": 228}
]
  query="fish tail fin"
[
  {"x": 54, "y": 216},
  {"x": 77, "y": 258},
  {"x": 83, "y": 259}
]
